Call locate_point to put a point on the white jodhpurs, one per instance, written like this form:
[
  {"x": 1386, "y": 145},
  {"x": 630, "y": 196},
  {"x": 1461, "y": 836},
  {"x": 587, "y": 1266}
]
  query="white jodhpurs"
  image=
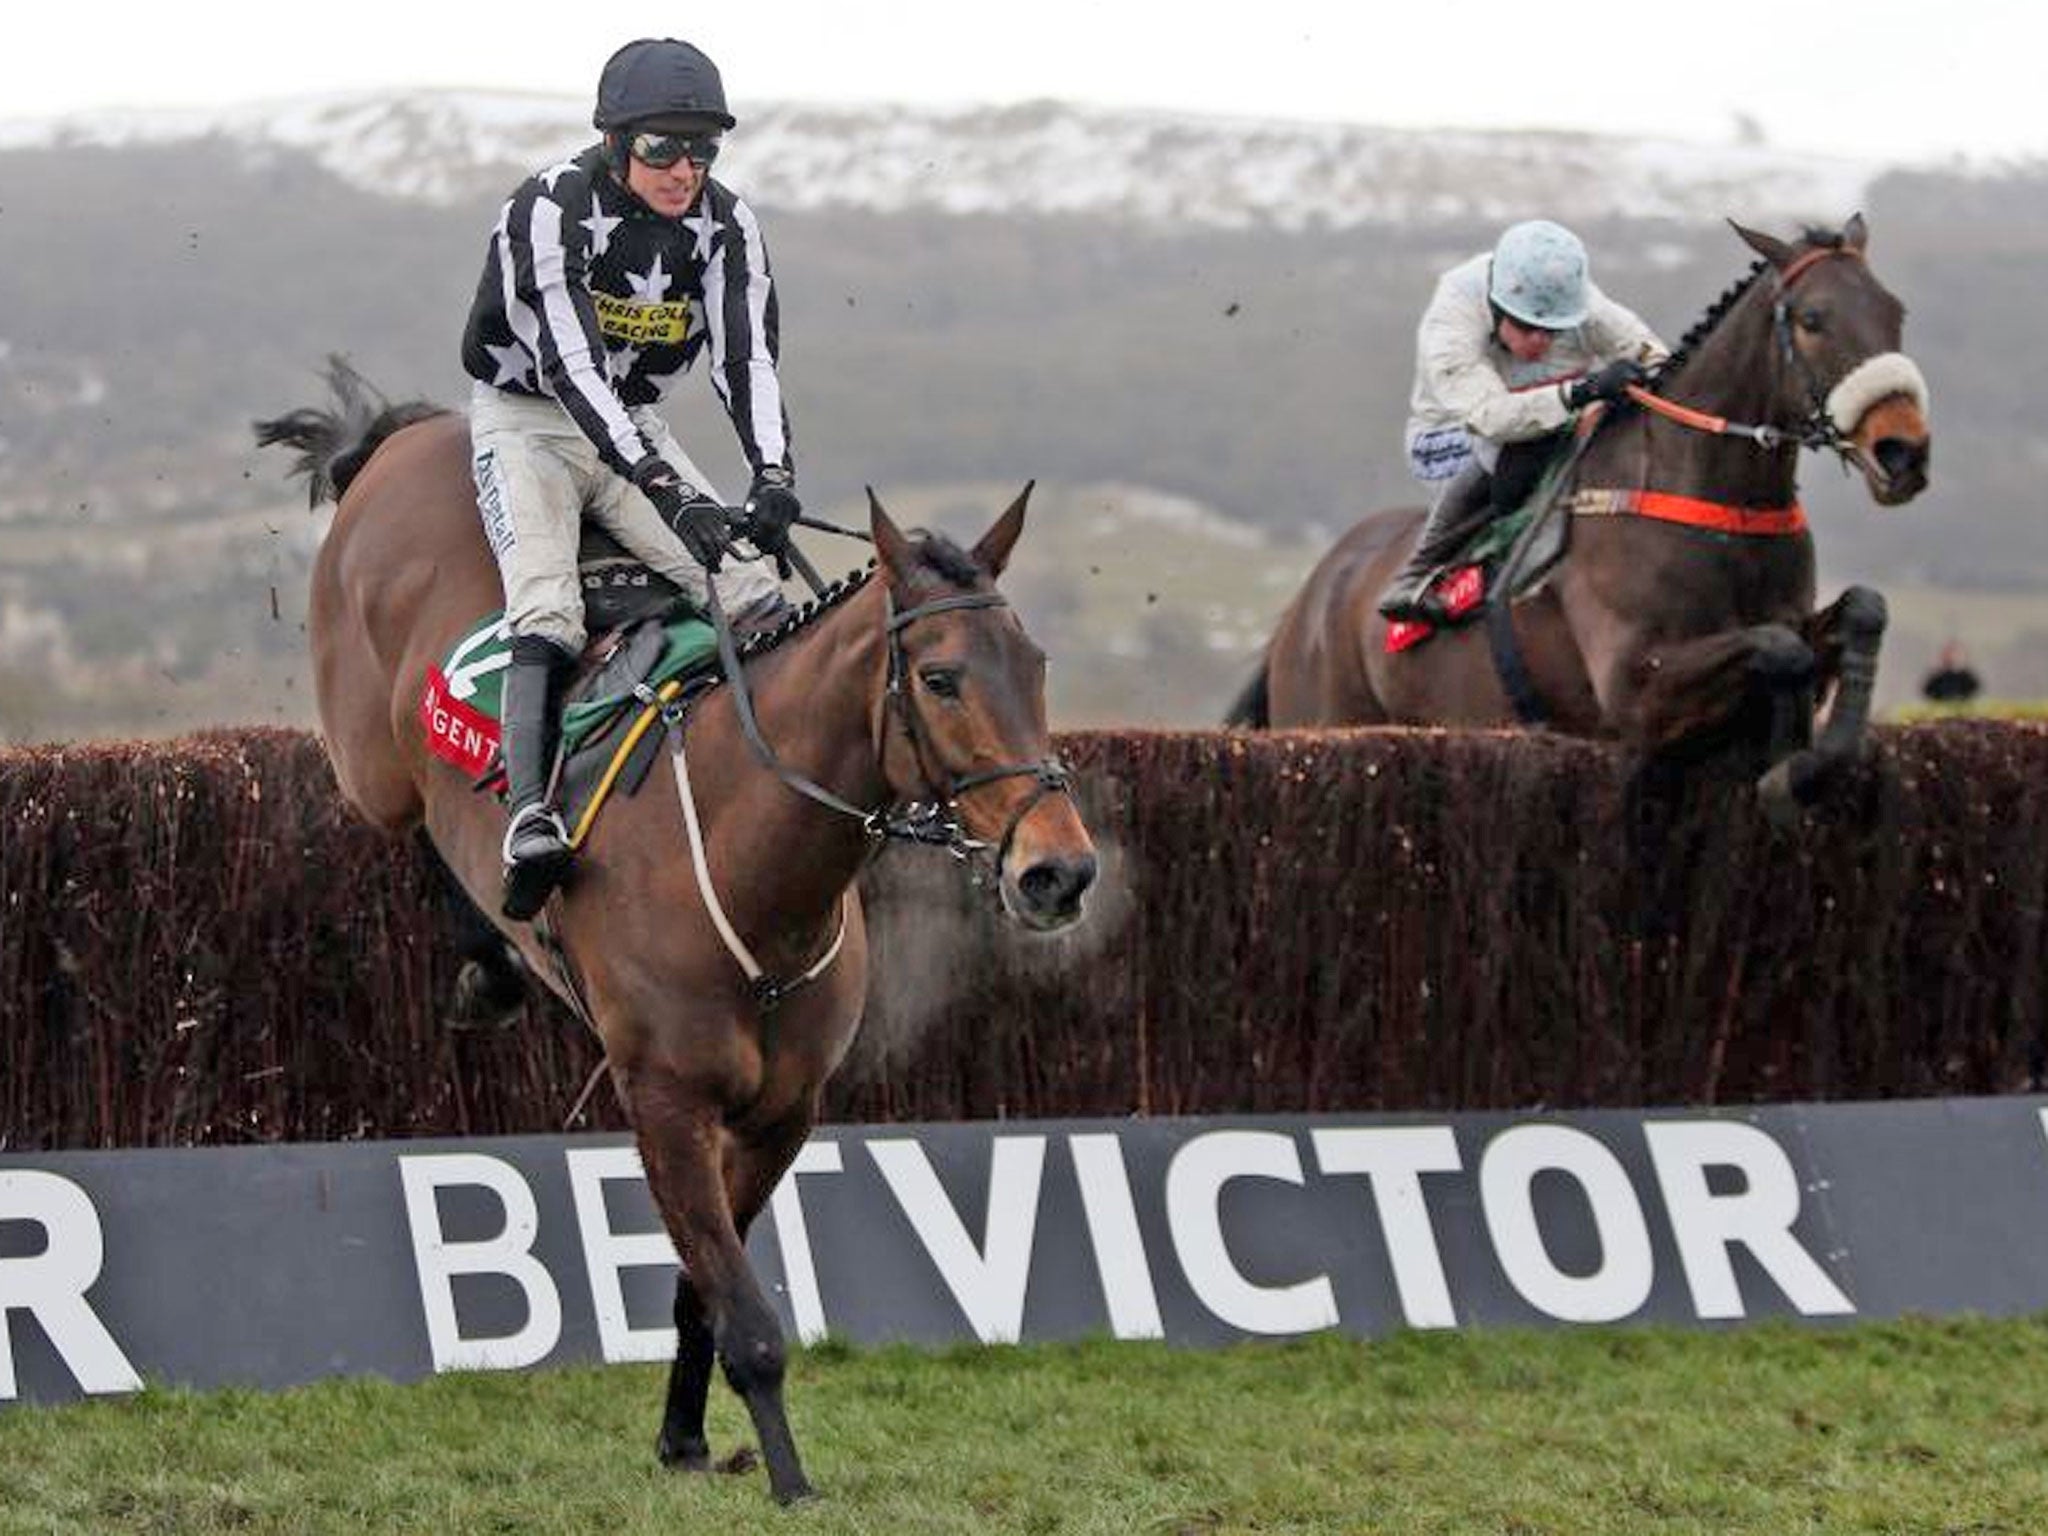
[{"x": 538, "y": 477}]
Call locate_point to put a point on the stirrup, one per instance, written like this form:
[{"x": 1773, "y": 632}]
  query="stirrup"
[
  {"x": 522, "y": 825},
  {"x": 1415, "y": 605},
  {"x": 533, "y": 876}
]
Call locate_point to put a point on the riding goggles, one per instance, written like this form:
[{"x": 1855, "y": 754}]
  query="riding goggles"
[{"x": 662, "y": 150}]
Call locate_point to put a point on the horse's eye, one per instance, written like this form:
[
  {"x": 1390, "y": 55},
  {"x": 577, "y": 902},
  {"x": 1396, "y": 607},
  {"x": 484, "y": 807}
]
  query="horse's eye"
[
  {"x": 1812, "y": 320},
  {"x": 941, "y": 682}
]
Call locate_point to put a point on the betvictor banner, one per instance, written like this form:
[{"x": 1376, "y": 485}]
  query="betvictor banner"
[{"x": 274, "y": 1265}]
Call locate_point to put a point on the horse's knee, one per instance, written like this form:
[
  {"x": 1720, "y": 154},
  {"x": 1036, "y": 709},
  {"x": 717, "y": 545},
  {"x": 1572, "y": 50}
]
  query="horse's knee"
[
  {"x": 750, "y": 1348},
  {"x": 1863, "y": 614},
  {"x": 1778, "y": 658}
]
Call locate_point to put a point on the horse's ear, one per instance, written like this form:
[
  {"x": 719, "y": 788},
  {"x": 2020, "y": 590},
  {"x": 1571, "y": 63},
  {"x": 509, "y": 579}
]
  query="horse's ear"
[
  {"x": 1772, "y": 249},
  {"x": 890, "y": 546},
  {"x": 1856, "y": 233},
  {"x": 993, "y": 552}
]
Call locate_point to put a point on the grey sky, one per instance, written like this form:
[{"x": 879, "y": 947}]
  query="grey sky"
[{"x": 1878, "y": 79}]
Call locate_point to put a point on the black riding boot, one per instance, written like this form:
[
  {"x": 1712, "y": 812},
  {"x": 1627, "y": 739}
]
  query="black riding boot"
[
  {"x": 1461, "y": 509},
  {"x": 537, "y": 852}
]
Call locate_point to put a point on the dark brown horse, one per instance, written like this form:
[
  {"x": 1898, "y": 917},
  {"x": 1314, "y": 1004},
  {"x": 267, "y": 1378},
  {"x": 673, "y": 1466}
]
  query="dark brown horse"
[
  {"x": 1677, "y": 613},
  {"x": 916, "y": 685}
]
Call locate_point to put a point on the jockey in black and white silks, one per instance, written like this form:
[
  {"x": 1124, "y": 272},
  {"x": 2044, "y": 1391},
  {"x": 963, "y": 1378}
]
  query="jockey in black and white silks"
[{"x": 608, "y": 275}]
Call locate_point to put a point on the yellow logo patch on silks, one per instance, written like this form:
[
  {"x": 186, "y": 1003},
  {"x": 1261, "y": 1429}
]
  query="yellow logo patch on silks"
[{"x": 639, "y": 323}]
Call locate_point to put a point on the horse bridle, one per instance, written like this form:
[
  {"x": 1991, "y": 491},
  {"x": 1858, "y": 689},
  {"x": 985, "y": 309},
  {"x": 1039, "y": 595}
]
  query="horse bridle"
[
  {"x": 935, "y": 820},
  {"x": 1817, "y": 428}
]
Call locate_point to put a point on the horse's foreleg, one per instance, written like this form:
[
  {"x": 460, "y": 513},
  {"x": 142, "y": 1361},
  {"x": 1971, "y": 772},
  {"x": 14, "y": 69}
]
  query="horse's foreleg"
[
  {"x": 751, "y": 1175},
  {"x": 682, "y": 1443},
  {"x": 1845, "y": 636},
  {"x": 683, "y": 1148},
  {"x": 1666, "y": 696}
]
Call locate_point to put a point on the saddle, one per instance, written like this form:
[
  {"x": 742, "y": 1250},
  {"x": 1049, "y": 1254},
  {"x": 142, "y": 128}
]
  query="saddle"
[
  {"x": 1507, "y": 558},
  {"x": 651, "y": 653}
]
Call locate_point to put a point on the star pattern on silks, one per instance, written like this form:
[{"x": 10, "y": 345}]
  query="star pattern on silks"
[
  {"x": 555, "y": 173},
  {"x": 623, "y": 361},
  {"x": 514, "y": 365},
  {"x": 705, "y": 228},
  {"x": 652, "y": 285},
  {"x": 600, "y": 224}
]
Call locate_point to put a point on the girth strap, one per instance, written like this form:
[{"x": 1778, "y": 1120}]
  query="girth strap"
[{"x": 1510, "y": 664}]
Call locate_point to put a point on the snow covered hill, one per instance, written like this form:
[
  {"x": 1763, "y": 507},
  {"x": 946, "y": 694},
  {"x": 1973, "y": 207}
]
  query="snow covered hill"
[{"x": 1044, "y": 158}]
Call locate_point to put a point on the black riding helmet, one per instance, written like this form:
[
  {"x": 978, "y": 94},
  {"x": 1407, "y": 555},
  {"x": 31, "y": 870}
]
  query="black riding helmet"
[{"x": 658, "y": 77}]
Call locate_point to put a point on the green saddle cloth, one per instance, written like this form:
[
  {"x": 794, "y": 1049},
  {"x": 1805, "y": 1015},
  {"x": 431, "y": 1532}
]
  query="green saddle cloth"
[{"x": 476, "y": 666}]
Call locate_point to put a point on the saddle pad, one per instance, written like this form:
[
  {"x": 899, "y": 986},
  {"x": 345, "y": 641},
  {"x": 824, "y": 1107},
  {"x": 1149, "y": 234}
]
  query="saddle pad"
[
  {"x": 1501, "y": 562},
  {"x": 460, "y": 704}
]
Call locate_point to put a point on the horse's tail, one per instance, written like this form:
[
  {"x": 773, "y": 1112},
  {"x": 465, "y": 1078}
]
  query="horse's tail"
[
  {"x": 1252, "y": 708},
  {"x": 335, "y": 444}
]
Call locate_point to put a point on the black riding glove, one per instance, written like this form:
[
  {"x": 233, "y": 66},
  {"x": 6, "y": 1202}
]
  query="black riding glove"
[
  {"x": 1607, "y": 382},
  {"x": 772, "y": 507},
  {"x": 697, "y": 520}
]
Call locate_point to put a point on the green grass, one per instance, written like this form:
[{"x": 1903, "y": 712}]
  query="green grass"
[{"x": 1936, "y": 1427}]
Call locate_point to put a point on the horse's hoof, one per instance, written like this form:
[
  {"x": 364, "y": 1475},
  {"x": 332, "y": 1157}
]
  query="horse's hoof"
[
  {"x": 689, "y": 1456},
  {"x": 802, "y": 1493}
]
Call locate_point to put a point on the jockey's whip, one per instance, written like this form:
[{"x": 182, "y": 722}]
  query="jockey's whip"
[{"x": 819, "y": 523}]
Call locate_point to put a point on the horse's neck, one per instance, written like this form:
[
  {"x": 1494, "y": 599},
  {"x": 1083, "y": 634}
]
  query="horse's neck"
[
  {"x": 818, "y": 696},
  {"x": 1728, "y": 373}
]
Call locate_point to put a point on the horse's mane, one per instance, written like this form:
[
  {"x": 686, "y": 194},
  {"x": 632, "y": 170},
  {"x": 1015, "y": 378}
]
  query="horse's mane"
[
  {"x": 335, "y": 444},
  {"x": 1718, "y": 310},
  {"x": 934, "y": 552},
  {"x": 802, "y": 618}
]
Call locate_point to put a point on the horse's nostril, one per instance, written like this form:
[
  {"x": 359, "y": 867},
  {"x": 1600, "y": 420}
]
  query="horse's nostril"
[
  {"x": 1898, "y": 456},
  {"x": 1055, "y": 885}
]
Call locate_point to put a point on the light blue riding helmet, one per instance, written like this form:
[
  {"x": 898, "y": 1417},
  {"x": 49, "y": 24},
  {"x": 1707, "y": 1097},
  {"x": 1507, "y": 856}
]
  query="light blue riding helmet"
[{"x": 1539, "y": 275}]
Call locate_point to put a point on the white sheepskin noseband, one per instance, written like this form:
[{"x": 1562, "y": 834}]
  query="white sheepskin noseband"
[{"x": 1872, "y": 380}]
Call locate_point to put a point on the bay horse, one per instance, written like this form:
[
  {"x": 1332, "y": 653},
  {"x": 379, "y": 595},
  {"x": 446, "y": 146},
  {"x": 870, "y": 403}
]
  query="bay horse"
[
  {"x": 1684, "y": 607},
  {"x": 916, "y": 684}
]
